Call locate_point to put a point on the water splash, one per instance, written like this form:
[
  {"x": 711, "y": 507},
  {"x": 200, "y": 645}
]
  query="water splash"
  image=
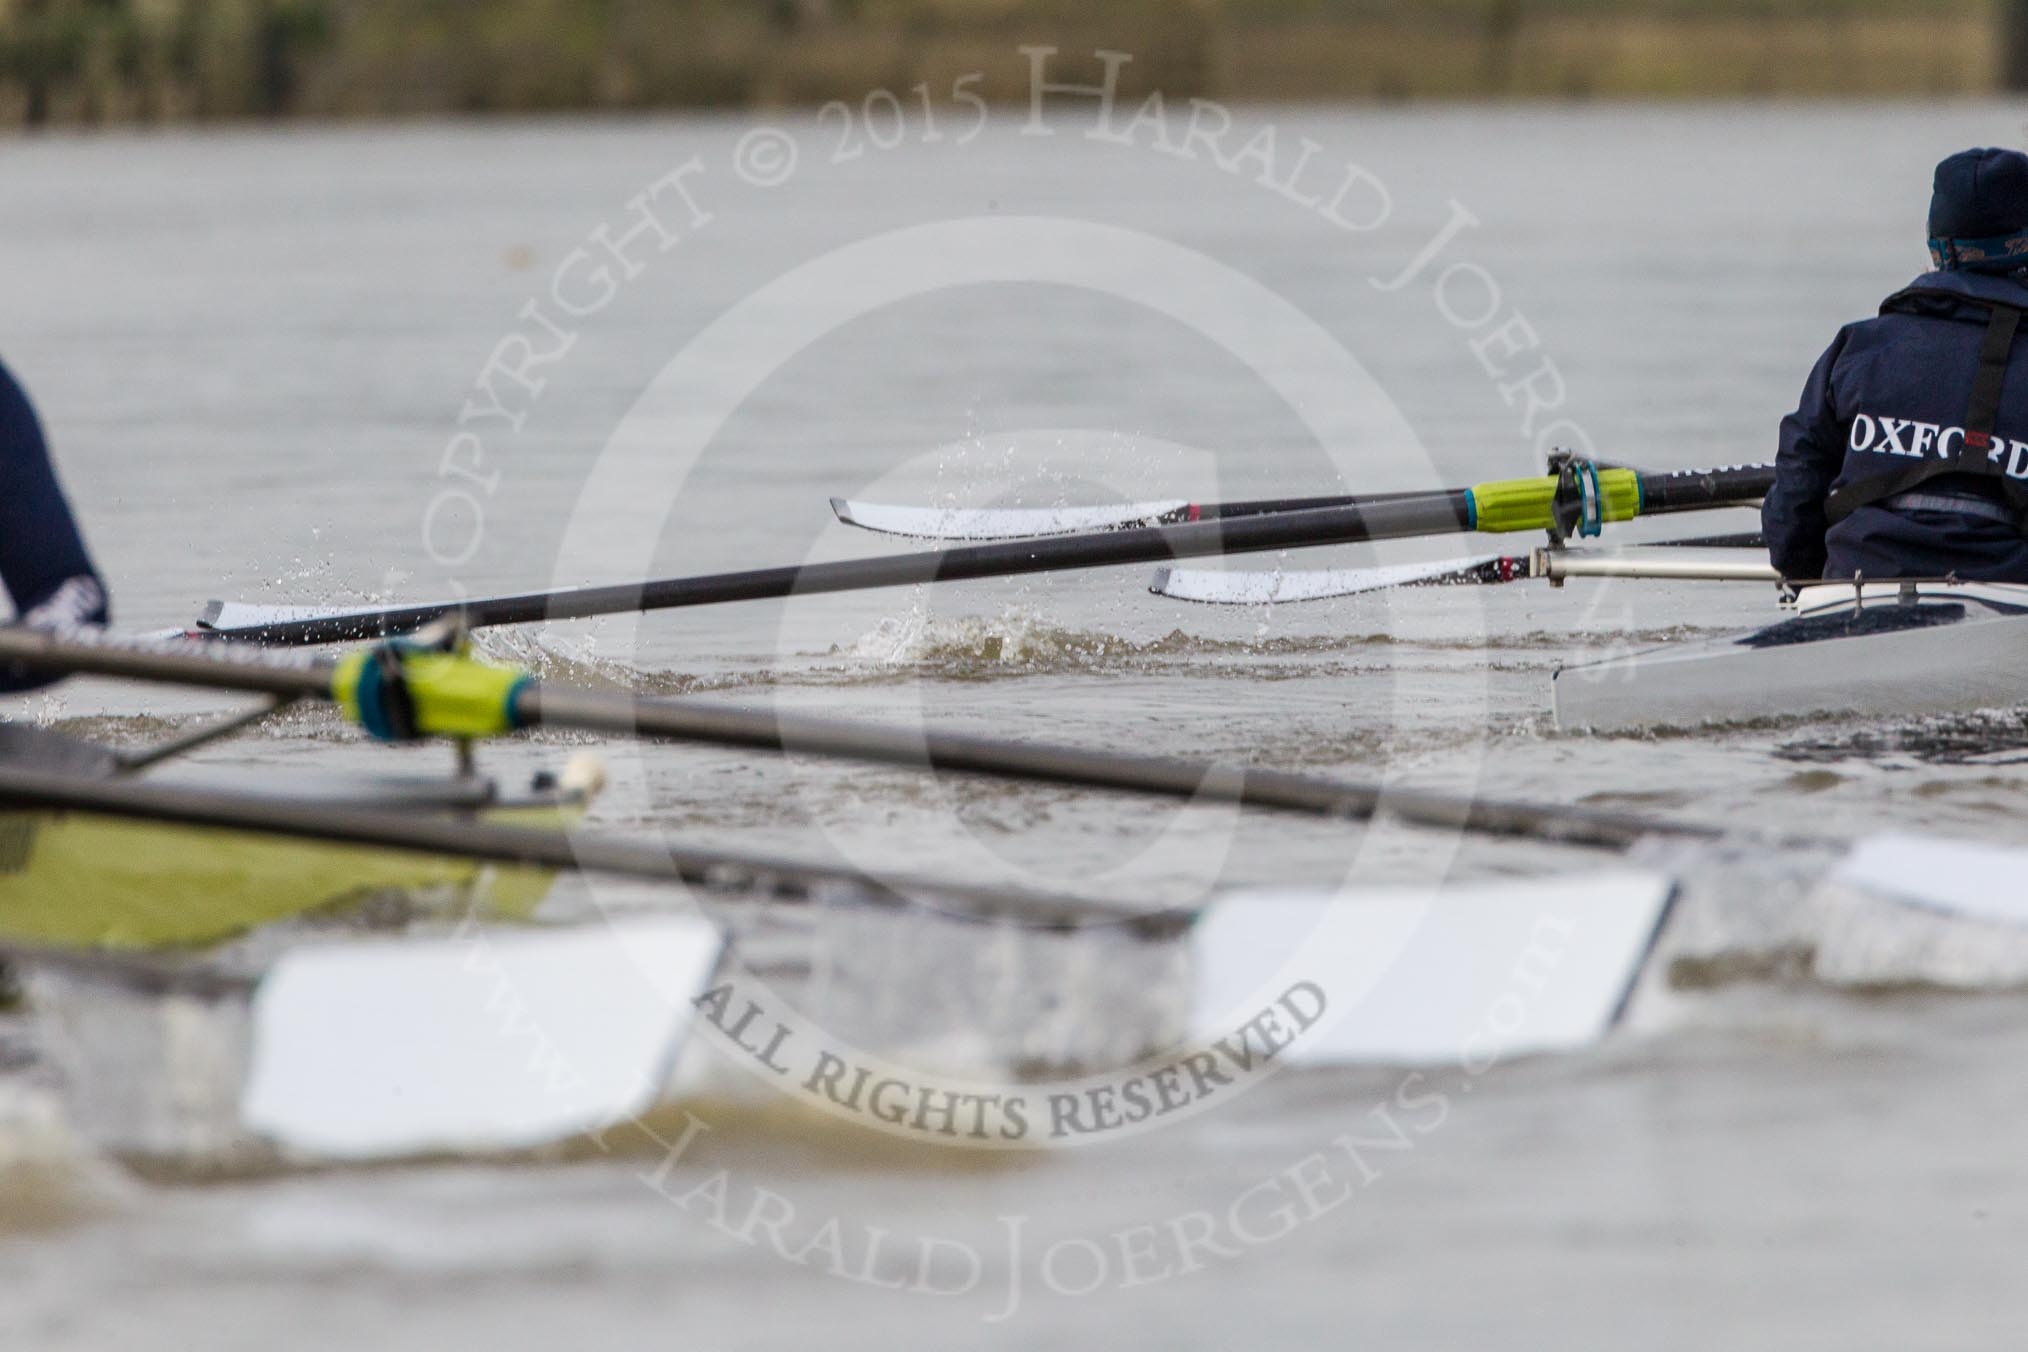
[
  {"x": 1017, "y": 639},
  {"x": 1984, "y": 737}
]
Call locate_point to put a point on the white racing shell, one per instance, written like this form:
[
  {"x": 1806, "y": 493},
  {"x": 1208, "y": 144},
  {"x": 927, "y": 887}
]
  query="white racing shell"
[{"x": 1897, "y": 649}]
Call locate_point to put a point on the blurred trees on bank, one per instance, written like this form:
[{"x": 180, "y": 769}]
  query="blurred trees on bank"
[
  {"x": 120, "y": 60},
  {"x": 99, "y": 61}
]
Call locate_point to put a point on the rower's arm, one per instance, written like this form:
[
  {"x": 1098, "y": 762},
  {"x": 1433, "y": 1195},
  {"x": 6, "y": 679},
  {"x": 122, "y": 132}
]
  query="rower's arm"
[{"x": 1812, "y": 451}]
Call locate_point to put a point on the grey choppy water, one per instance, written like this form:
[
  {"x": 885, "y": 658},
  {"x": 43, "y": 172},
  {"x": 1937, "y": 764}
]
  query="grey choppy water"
[{"x": 254, "y": 348}]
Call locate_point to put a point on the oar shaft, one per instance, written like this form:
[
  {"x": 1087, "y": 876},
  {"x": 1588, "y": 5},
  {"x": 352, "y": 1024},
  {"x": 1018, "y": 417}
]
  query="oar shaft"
[
  {"x": 1232, "y": 511},
  {"x": 202, "y": 664},
  {"x": 1038, "y": 762},
  {"x": 1431, "y": 513}
]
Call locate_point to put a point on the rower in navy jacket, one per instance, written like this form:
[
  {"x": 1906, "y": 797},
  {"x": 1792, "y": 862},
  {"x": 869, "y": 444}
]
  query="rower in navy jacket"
[
  {"x": 42, "y": 557},
  {"x": 1909, "y": 454}
]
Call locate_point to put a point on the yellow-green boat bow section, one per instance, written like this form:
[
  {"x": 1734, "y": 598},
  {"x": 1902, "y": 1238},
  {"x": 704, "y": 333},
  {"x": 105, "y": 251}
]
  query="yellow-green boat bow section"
[{"x": 76, "y": 879}]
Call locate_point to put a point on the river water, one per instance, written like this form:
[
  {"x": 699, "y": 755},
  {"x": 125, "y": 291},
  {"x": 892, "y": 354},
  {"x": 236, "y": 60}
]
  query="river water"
[{"x": 336, "y": 365}]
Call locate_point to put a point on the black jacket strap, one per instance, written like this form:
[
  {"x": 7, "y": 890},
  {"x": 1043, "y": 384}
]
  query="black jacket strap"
[{"x": 1982, "y": 415}]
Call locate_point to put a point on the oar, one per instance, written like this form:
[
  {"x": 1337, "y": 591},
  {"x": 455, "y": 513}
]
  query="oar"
[
  {"x": 1500, "y": 507},
  {"x": 1031, "y": 523},
  {"x": 457, "y": 697},
  {"x": 484, "y": 842},
  {"x": 950, "y": 524},
  {"x": 1285, "y": 586}
]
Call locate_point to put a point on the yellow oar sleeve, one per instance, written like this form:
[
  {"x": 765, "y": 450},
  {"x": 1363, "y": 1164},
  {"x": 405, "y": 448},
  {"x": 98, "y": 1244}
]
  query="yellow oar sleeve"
[
  {"x": 1509, "y": 505},
  {"x": 397, "y": 691}
]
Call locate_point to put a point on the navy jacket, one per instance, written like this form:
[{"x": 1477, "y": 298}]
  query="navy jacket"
[
  {"x": 42, "y": 557},
  {"x": 1891, "y": 378}
]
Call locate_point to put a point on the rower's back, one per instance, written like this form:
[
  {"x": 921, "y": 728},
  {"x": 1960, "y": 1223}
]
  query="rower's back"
[{"x": 1908, "y": 455}]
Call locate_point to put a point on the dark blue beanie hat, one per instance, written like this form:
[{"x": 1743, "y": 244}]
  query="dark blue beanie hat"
[{"x": 1978, "y": 214}]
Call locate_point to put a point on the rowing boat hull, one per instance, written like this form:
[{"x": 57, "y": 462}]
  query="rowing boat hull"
[
  {"x": 1944, "y": 649},
  {"x": 72, "y": 879}
]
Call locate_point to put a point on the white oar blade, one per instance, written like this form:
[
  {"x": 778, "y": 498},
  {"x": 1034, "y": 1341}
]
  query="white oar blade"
[
  {"x": 223, "y": 616},
  {"x": 1901, "y": 911},
  {"x": 1975, "y": 881},
  {"x": 1210, "y": 586},
  {"x": 1463, "y": 976},
  {"x": 481, "y": 1043},
  {"x": 1003, "y": 523}
]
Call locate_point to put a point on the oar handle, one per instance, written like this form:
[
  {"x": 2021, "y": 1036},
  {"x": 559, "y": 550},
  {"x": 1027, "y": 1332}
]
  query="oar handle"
[{"x": 1695, "y": 489}]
